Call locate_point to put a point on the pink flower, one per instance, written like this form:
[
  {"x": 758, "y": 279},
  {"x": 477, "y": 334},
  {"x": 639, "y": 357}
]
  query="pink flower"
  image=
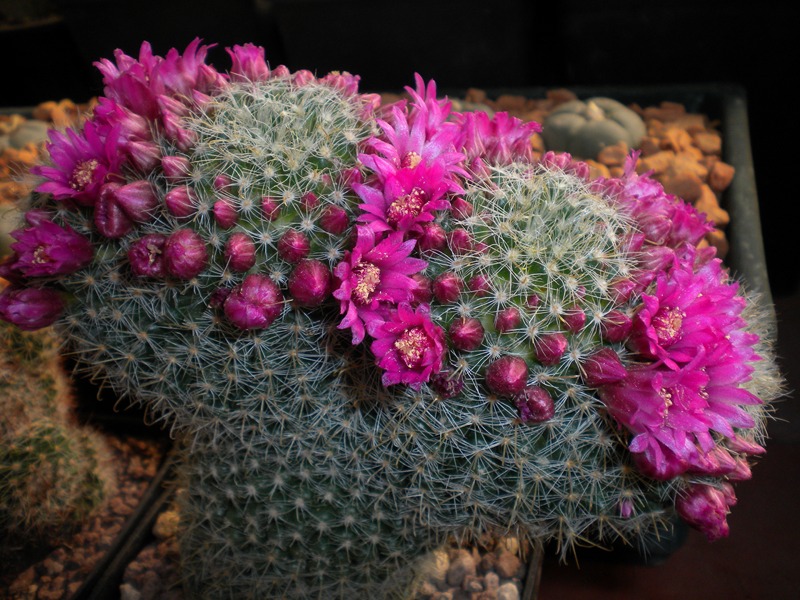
[
  {"x": 248, "y": 63},
  {"x": 30, "y": 308},
  {"x": 255, "y": 303},
  {"x": 372, "y": 273},
  {"x": 405, "y": 200},
  {"x": 408, "y": 346},
  {"x": 81, "y": 164},
  {"x": 706, "y": 508},
  {"x": 687, "y": 312},
  {"x": 500, "y": 139},
  {"x": 672, "y": 413},
  {"x": 46, "y": 249}
]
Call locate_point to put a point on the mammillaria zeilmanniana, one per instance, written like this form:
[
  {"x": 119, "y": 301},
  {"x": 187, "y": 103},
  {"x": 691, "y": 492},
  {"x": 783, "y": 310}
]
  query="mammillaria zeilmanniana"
[{"x": 379, "y": 327}]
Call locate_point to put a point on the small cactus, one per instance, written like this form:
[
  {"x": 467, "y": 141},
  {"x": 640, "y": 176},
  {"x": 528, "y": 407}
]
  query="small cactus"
[{"x": 375, "y": 330}]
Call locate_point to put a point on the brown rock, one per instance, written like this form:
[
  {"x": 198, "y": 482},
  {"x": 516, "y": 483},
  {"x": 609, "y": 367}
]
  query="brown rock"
[
  {"x": 461, "y": 565},
  {"x": 709, "y": 204},
  {"x": 658, "y": 162},
  {"x": 665, "y": 112},
  {"x": 650, "y": 145},
  {"x": 597, "y": 170},
  {"x": 708, "y": 142},
  {"x": 717, "y": 239},
  {"x": 508, "y": 565},
  {"x": 613, "y": 156},
  {"x": 684, "y": 185},
  {"x": 720, "y": 176},
  {"x": 472, "y": 584},
  {"x": 676, "y": 139}
]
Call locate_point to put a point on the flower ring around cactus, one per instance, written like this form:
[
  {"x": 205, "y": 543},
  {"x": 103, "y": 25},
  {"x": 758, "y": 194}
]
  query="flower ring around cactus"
[{"x": 375, "y": 328}]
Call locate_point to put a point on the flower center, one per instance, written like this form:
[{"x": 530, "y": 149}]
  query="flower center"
[
  {"x": 410, "y": 160},
  {"x": 409, "y": 205},
  {"x": 40, "y": 255},
  {"x": 82, "y": 174},
  {"x": 411, "y": 346},
  {"x": 368, "y": 276},
  {"x": 667, "y": 325}
]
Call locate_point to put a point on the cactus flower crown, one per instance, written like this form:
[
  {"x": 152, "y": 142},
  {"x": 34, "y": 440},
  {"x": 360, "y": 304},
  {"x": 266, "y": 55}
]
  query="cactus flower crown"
[{"x": 399, "y": 309}]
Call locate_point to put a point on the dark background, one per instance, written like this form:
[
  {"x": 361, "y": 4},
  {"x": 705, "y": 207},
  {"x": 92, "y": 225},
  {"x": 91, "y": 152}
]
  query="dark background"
[{"x": 517, "y": 44}]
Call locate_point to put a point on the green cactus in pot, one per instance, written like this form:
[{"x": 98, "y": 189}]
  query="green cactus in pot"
[{"x": 378, "y": 328}]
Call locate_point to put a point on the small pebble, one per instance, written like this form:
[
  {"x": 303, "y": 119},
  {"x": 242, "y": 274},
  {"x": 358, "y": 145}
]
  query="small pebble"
[{"x": 508, "y": 591}]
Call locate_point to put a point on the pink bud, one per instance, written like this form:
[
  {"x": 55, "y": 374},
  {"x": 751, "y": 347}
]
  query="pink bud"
[
  {"x": 535, "y": 405},
  {"x": 603, "y": 367},
  {"x": 460, "y": 241},
  {"x": 255, "y": 303},
  {"x": 706, "y": 508},
  {"x": 221, "y": 181},
  {"x": 507, "y": 319},
  {"x": 30, "y": 308},
  {"x": 460, "y": 209},
  {"x": 270, "y": 208},
  {"x": 422, "y": 293},
  {"x": 616, "y": 326},
  {"x": 433, "y": 237},
  {"x": 138, "y": 200},
  {"x": 575, "y": 319},
  {"x": 240, "y": 252},
  {"x": 310, "y": 283},
  {"x": 309, "y": 200},
  {"x": 447, "y": 383},
  {"x": 479, "y": 285},
  {"x": 225, "y": 213},
  {"x": 550, "y": 347},
  {"x": 109, "y": 218},
  {"x": 303, "y": 77},
  {"x": 180, "y": 201},
  {"x": 219, "y": 296},
  {"x": 466, "y": 334},
  {"x": 447, "y": 287},
  {"x": 507, "y": 376},
  {"x": 146, "y": 156},
  {"x": 185, "y": 254},
  {"x": 145, "y": 256},
  {"x": 622, "y": 290},
  {"x": 293, "y": 246},
  {"x": 334, "y": 220},
  {"x": 175, "y": 168},
  {"x": 532, "y": 301}
]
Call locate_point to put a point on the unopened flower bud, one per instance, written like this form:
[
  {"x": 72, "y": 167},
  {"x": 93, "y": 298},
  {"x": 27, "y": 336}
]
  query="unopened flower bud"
[
  {"x": 460, "y": 241},
  {"x": 466, "y": 334},
  {"x": 479, "y": 285},
  {"x": 550, "y": 347},
  {"x": 507, "y": 376},
  {"x": 423, "y": 292},
  {"x": 507, "y": 319},
  {"x": 574, "y": 319},
  {"x": 185, "y": 254},
  {"x": 138, "y": 200},
  {"x": 146, "y": 156},
  {"x": 175, "y": 168},
  {"x": 270, "y": 208},
  {"x": 240, "y": 252},
  {"x": 255, "y": 303},
  {"x": 535, "y": 405},
  {"x": 225, "y": 213},
  {"x": 293, "y": 246},
  {"x": 109, "y": 218},
  {"x": 615, "y": 326},
  {"x": 30, "y": 308},
  {"x": 706, "y": 508},
  {"x": 447, "y": 287},
  {"x": 146, "y": 255},
  {"x": 447, "y": 383},
  {"x": 309, "y": 200},
  {"x": 310, "y": 283},
  {"x": 180, "y": 201},
  {"x": 460, "y": 209},
  {"x": 433, "y": 237},
  {"x": 603, "y": 367},
  {"x": 334, "y": 220}
]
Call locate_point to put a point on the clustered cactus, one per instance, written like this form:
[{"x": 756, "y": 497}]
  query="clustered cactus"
[
  {"x": 54, "y": 473},
  {"x": 378, "y": 328}
]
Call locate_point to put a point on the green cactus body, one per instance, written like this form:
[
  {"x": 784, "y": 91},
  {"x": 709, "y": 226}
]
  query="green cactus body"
[{"x": 54, "y": 474}]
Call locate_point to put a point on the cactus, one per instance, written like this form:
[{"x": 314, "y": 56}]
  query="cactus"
[
  {"x": 375, "y": 330},
  {"x": 54, "y": 474}
]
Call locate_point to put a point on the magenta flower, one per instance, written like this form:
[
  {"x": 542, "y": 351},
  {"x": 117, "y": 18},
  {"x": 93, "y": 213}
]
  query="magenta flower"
[
  {"x": 81, "y": 164},
  {"x": 372, "y": 273},
  {"x": 500, "y": 139},
  {"x": 706, "y": 508},
  {"x": 255, "y": 303},
  {"x": 687, "y": 312},
  {"x": 30, "y": 308},
  {"x": 405, "y": 200},
  {"x": 408, "y": 346},
  {"x": 46, "y": 249},
  {"x": 248, "y": 63},
  {"x": 672, "y": 413}
]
